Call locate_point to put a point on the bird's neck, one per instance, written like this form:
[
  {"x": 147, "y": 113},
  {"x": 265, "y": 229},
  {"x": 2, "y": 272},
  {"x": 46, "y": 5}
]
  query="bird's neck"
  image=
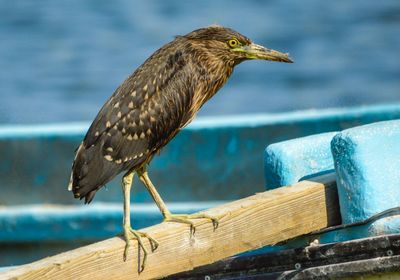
[
  {"x": 218, "y": 72},
  {"x": 211, "y": 73}
]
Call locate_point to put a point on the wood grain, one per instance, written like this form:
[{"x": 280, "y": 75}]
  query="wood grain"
[{"x": 246, "y": 224}]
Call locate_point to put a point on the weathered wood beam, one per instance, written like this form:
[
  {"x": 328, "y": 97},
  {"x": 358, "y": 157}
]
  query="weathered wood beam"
[{"x": 246, "y": 224}]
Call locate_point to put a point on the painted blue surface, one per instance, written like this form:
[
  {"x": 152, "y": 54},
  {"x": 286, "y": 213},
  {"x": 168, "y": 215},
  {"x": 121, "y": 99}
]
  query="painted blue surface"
[
  {"x": 212, "y": 159},
  {"x": 367, "y": 164},
  {"x": 368, "y": 177},
  {"x": 287, "y": 162},
  {"x": 324, "y": 116}
]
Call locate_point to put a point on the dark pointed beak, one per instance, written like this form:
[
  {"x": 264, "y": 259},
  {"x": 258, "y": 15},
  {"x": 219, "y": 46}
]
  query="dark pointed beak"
[{"x": 254, "y": 51}]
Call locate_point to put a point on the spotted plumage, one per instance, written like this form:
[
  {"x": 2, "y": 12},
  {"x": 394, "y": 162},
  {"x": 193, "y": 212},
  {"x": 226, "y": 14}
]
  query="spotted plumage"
[{"x": 152, "y": 105}]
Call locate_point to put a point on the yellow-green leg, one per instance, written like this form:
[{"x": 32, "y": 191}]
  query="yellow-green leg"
[
  {"x": 130, "y": 233},
  {"x": 168, "y": 216}
]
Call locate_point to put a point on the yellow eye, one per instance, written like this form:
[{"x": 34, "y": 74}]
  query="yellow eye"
[{"x": 233, "y": 43}]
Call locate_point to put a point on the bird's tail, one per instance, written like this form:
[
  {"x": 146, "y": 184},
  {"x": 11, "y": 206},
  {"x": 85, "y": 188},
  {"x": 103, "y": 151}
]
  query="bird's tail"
[
  {"x": 76, "y": 173},
  {"x": 90, "y": 172},
  {"x": 71, "y": 178}
]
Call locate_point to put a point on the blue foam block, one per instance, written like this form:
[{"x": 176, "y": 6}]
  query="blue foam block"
[
  {"x": 367, "y": 163},
  {"x": 289, "y": 161}
]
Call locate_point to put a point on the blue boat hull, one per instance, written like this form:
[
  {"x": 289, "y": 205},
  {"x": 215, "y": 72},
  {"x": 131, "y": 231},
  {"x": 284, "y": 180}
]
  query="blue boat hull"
[{"x": 214, "y": 159}]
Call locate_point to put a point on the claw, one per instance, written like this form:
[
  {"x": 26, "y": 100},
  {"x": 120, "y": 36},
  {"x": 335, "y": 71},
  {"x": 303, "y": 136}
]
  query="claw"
[
  {"x": 186, "y": 219},
  {"x": 192, "y": 230},
  {"x": 130, "y": 234}
]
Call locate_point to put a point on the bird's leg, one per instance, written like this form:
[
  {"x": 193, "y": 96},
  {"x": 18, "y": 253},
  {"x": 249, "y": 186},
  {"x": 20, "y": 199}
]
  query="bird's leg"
[
  {"x": 130, "y": 233},
  {"x": 168, "y": 216}
]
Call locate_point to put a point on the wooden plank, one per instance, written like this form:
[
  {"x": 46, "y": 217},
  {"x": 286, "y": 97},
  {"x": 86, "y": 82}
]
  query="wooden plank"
[{"x": 246, "y": 224}]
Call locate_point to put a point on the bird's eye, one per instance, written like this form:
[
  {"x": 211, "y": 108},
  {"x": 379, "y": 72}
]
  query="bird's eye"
[{"x": 233, "y": 43}]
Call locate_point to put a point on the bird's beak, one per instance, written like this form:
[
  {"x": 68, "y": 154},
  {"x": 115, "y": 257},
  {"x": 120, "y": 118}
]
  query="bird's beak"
[{"x": 254, "y": 51}]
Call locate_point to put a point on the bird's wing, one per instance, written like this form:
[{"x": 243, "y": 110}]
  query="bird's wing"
[
  {"x": 114, "y": 142},
  {"x": 143, "y": 114}
]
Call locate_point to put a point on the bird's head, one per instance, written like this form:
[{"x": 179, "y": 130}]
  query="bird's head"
[{"x": 230, "y": 45}]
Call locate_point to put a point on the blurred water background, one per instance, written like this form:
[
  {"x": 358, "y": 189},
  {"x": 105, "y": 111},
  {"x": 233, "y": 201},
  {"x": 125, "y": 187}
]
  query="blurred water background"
[{"x": 60, "y": 60}]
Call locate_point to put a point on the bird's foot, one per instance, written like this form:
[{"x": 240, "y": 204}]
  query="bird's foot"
[
  {"x": 187, "y": 219},
  {"x": 130, "y": 234}
]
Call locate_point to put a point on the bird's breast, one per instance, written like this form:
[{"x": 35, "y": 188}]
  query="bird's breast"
[{"x": 208, "y": 85}]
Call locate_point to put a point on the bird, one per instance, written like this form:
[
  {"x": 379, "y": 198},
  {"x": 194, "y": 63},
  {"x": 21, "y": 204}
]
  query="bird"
[{"x": 149, "y": 108}]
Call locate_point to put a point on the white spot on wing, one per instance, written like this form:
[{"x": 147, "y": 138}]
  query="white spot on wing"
[{"x": 108, "y": 157}]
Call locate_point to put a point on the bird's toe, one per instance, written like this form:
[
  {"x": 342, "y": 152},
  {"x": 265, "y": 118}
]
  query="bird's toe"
[
  {"x": 131, "y": 234},
  {"x": 187, "y": 219}
]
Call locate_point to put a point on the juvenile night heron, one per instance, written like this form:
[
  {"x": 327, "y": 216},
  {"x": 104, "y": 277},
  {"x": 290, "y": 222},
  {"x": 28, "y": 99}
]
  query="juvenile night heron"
[{"x": 150, "y": 107}]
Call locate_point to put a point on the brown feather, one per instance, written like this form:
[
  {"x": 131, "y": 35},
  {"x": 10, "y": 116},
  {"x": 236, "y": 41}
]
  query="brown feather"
[{"x": 151, "y": 106}]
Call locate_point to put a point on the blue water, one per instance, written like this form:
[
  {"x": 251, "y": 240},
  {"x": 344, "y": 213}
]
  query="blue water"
[{"x": 60, "y": 60}]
